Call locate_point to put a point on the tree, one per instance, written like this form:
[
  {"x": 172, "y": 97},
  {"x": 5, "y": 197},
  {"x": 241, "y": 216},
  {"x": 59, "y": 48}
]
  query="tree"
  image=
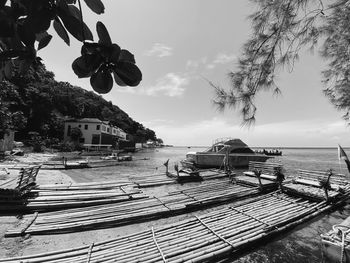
[
  {"x": 281, "y": 28},
  {"x": 23, "y": 32},
  {"x": 11, "y": 118}
]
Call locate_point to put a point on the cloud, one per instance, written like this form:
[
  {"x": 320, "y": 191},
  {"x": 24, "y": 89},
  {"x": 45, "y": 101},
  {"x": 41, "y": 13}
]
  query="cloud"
[
  {"x": 222, "y": 59},
  {"x": 172, "y": 85},
  {"x": 159, "y": 50},
  {"x": 211, "y": 66},
  {"x": 195, "y": 64},
  {"x": 203, "y": 63}
]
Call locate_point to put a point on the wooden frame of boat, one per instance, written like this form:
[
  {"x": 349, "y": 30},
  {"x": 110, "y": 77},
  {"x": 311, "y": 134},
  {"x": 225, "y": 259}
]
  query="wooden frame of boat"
[
  {"x": 57, "y": 197},
  {"x": 107, "y": 215},
  {"x": 16, "y": 188},
  {"x": 213, "y": 236},
  {"x": 175, "y": 202}
]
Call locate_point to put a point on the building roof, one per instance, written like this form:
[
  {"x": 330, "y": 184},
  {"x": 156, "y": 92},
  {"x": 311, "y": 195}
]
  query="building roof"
[
  {"x": 94, "y": 120},
  {"x": 86, "y": 120}
]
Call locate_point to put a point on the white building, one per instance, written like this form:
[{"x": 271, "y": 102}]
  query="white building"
[{"x": 94, "y": 132}]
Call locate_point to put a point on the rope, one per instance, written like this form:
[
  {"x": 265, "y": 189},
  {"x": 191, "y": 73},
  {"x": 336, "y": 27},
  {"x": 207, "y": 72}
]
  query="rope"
[
  {"x": 162, "y": 203},
  {"x": 121, "y": 188},
  {"x": 30, "y": 223},
  {"x": 155, "y": 242},
  {"x": 216, "y": 234},
  {"x": 337, "y": 229},
  {"x": 255, "y": 218},
  {"x": 89, "y": 253},
  {"x": 342, "y": 247},
  {"x": 223, "y": 163},
  {"x": 190, "y": 196}
]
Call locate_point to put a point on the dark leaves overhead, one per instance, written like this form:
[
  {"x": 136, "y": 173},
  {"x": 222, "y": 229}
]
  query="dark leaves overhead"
[
  {"x": 101, "y": 81},
  {"x": 95, "y": 5},
  {"x": 126, "y": 56},
  {"x": 128, "y": 72},
  {"x": 44, "y": 41},
  {"x": 76, "y": 28},
  {"x": 7, "y": 22},
  {"x": 61, "y": 31},
  {"x": 23, "y": 31},
  {"x": 103, "y": 35},
  {"x": 86, "y": 65},
  {"x": 101, "y": 60}
]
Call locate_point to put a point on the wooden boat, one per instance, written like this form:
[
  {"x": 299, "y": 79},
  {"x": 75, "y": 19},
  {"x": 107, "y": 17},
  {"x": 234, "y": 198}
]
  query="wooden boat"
[
  {"x": 270, "y": 152},
  {"x": 76, "y": 164},
  {"x": 113, "y": 156},
  {"x": 209, "y": 237},
  {"x": 185, "y": 176},
  {"x": 227, "y": 151},
  {"x": 336, "y": 243},
  {"x": 131, "y": 211},
  {"x": 118, "y": 158}
]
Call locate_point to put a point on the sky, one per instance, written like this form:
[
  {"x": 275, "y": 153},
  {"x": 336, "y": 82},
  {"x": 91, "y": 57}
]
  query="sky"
[{"x": 179, "y": 45}]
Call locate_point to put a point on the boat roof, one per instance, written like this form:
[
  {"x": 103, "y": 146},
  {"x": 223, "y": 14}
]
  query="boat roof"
[{"x": 234, "y": 143}]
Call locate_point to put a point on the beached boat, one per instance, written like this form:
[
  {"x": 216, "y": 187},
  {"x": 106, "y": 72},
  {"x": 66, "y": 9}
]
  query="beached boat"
[
  {"x": 75, "y": 164},
  {"x": 117, "y": 157},
  {"x": 274, "y": 152},
  {"x": 239, "y": 155}
]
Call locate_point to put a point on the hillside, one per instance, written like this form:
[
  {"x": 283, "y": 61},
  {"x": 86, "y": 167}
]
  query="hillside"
[{"x": 37, "y": 102}]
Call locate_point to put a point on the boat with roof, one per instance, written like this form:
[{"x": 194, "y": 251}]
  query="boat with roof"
[{"x": 224, "y": 151}]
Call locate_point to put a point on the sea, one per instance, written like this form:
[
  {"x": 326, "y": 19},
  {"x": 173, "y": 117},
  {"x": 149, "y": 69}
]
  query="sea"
[{"x": 300, "y": 244}]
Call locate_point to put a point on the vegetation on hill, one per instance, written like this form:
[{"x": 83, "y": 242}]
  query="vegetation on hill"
[{"x": 36, "y": 102}]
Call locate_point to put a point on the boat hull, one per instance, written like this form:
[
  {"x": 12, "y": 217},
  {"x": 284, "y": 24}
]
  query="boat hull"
[
  {"x": 216, "y": 160},
  {"x": 332, "y": 252}
]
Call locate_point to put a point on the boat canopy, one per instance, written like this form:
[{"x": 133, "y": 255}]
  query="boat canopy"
[{"x": 233, "y": 145}]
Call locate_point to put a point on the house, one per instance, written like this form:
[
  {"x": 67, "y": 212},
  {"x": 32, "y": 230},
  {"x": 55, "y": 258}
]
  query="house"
[{"x": 94, "y": 132}]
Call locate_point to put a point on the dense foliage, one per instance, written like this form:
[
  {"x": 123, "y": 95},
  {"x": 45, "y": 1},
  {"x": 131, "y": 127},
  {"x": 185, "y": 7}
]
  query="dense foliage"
[
  {"x": 35, "y": 102},
  {"x": 281, "y": 28},
  {"x": 23, "y": 31}
]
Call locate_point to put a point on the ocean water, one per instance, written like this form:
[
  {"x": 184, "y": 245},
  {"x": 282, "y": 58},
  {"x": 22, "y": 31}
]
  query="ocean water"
[{"x": 301, "y": 244}]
